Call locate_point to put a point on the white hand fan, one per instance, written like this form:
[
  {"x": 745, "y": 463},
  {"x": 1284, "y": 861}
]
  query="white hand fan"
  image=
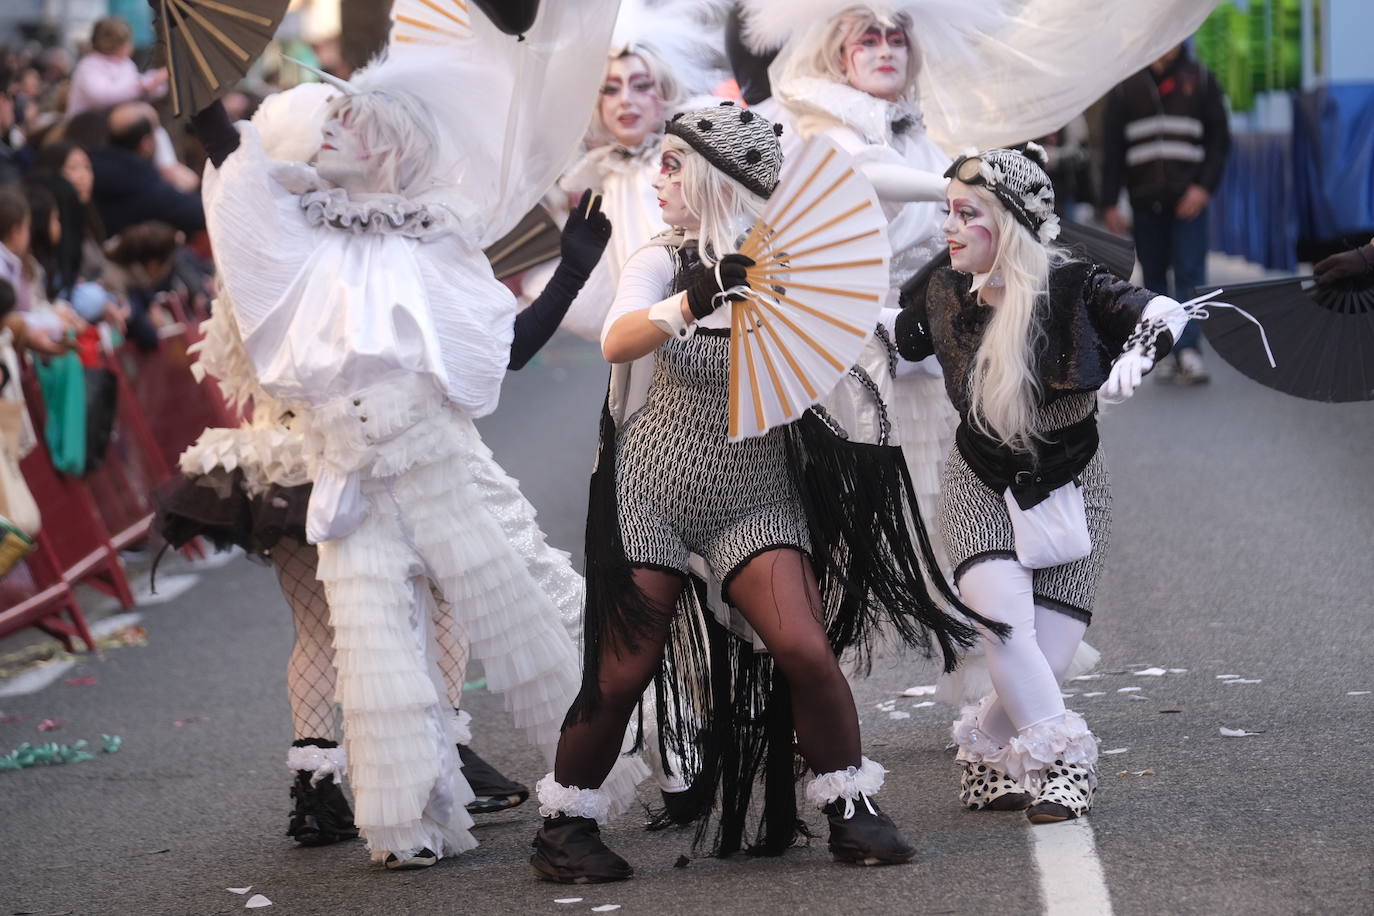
[
  {"x": 430, "y": 22},
  {"x": 818, "y": 282}
]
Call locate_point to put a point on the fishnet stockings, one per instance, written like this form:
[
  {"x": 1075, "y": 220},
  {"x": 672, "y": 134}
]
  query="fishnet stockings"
[
  {"x": 310, "y": 672},
  {"x": 453, "y": 649}
]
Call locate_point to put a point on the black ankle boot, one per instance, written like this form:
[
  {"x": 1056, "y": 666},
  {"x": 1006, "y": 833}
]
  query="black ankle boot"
[
  {"x": 569, "y": 850},
  {"x": 320, "y": 814},
  {"x": 494, "y": 791},
  {"x": 866, "y": 836}
]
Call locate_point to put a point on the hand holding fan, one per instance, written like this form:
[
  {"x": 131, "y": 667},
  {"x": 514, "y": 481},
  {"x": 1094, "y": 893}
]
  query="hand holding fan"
[{"x": 820, "y": 277}]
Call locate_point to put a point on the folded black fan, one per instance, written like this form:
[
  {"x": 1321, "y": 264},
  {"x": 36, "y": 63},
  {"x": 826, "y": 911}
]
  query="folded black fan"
[
  {"x": 1322, "y": 336},
  {"x": 532, "y": 242},
  {"x": 208, "y": 46},
  {"x": 1114, "y": 252}
]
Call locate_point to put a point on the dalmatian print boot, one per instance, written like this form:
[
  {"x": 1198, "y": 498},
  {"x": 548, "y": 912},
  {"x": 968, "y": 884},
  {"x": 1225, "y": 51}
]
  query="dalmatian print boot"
[
  {"x": 982, "y": 787},
  {"x": 1066, "y": 793}
]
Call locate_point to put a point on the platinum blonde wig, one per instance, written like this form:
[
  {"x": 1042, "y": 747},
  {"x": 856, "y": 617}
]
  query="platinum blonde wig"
[
  {"x": 725, "y": 207},
  {"x": 1004, "y": 387},
  {"x": 828, "y": 59},
  {"x": 397, "y": 130},
  {"x": 669, "y": 89}
]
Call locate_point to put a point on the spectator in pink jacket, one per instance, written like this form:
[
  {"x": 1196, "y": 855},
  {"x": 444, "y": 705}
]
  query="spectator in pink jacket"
[{"x": 108, "y": 75}]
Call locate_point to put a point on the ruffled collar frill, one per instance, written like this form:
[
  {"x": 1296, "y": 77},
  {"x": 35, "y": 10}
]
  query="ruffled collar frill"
[
  {"x": 875, "y": 120},
  {"x": 377, "y": 213},
  {"x": 611, "y": 159}
]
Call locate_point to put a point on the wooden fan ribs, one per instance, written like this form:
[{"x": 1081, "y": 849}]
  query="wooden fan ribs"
[
  {"x": 773, "y": 375},
  {"x": 174, "y": 8},
  {"x": 214, "y": 30}
]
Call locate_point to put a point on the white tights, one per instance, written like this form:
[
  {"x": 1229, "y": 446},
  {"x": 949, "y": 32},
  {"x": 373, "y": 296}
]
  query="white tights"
[{"x": 1026, "y": 668}]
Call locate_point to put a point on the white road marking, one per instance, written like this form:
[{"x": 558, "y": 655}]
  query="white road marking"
[
  {"x": 36, "y": 679},
  {"x": 1071, "y": 880}
]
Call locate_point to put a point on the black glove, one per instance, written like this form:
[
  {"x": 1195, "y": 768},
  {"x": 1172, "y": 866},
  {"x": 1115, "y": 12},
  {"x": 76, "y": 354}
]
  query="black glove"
[
  {"x": 585, "y": 235},
  {"x": 701, "y": 295}
]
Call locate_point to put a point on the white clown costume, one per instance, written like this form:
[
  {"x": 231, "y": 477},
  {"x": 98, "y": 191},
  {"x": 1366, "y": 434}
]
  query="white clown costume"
[{"x": 378, "y": 316}]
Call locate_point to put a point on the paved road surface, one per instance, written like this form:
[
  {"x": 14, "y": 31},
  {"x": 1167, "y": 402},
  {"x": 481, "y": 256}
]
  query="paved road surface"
[{"x": 1245, "y": 521}]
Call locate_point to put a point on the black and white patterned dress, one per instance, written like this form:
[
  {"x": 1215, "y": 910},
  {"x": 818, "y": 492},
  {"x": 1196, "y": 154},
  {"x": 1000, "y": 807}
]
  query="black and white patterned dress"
[{"x": 682, "y": 487}]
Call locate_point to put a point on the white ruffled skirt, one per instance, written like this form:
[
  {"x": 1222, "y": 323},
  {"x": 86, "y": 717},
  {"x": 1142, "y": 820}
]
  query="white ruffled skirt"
[{"x": 460, "y": 522}]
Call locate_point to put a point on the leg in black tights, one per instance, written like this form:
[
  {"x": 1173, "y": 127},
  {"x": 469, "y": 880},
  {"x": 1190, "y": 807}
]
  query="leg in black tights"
[
  {"x": 777, "y": 593},
  {"x": 588, "y": 749}
]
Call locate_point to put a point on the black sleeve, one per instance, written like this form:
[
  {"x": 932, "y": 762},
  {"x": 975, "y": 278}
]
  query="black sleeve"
[
  {"x": 1114, "y": 307},
  {"x": 216, "y": 132},
  {"x": 1216, "y": 133},
  {"x": 750, "y": 69},
  {"x": 536, "y": 324},
  {"x": 911, "y": 335},
  {"x": 1113, "y": 147}
]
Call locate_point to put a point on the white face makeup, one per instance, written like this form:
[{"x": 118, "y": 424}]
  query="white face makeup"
[
  {"x": 970, "y": 230},
  {"x": 668, "y": 184},
  {"x": 630, "y": 105},
  {"x": 344, "y": 159},
  {"x": 876, "y": 60}
]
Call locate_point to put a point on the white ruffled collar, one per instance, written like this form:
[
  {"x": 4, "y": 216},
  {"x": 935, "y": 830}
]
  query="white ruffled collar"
[
  {"x": 613, "y": 157},
  {"x": 871, "y": 117},
  {"x": 381, "y": 213}
]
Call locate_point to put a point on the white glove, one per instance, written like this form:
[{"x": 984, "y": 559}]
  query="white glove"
[{"x": 1126, "y": 374}]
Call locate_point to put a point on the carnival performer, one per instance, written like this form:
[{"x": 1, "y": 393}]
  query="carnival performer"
[
  {"x": 654, "y": 65},
  {"x": 1027, "y": 335},
  {"x": 668, "y": 485},
  {"x": 365, "y": 304},
  {"x": 249, "y": 487}
]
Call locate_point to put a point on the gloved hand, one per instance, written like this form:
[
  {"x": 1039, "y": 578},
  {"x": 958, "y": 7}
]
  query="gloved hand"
[
  {"x": 1344, "y": 265},
  {"x": 1126, "y": 374},
  {"x": 585, "y": 235},
  {"x": 733, "y": 271}
]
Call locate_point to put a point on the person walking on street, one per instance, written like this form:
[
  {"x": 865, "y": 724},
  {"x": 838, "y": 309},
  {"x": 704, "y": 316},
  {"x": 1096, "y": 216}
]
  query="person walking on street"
[{"x": 1165, "y": 139}]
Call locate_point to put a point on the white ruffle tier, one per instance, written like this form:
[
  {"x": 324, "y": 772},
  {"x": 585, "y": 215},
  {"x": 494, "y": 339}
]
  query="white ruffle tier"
[
  {"x": 1030, "y": 752},
  {"x": 435, "y": 521},
  {"x": 849, "y": 783}
]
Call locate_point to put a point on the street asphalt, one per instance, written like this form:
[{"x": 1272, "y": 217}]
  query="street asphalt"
[{"x": 1244, "y": 528}]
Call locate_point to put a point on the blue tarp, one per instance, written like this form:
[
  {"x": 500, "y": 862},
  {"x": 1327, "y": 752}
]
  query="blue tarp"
[
  {"x": 1253, "y": 213},
  {"x": 1333, "y": 161}
]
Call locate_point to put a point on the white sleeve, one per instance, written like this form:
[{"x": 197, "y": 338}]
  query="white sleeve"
[{"x": 644, "y": 281}]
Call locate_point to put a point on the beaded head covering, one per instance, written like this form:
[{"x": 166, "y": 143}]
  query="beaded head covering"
[
  {"x": 1019, "y": 181},
  {"x": 740, "y": 143}
]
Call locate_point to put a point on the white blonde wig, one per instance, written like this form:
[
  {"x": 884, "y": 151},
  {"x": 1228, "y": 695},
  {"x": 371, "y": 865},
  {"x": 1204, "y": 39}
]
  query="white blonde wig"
[
  {"x": 827, "y": 59},
  {"x": 726, "y": 208},
  {"x": 1004, "y": 388},
  {"x": 398, "y": 133},
  {"x": 669, "y": 89}
]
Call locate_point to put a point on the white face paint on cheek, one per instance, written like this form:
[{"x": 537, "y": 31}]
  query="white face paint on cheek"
[
  {"x": 343, "y": 158},
  {"x": 972, "y": 236}
]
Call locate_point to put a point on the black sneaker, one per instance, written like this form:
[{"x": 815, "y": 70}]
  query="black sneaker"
[
  {"x": 866, "y": 836},
  {"x": 568, "y": 850},
  {"x": 320, "y": 814},
  {"x": 422, "y": 859},
  {"x": 494, "y": 791}
]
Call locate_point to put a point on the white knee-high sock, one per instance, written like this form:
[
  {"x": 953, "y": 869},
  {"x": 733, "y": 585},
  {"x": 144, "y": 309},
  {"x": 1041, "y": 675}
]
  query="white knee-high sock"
[{"x": 1058, "y": 635}]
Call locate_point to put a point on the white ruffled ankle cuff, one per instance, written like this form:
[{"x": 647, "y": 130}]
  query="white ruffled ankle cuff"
[
  {"x": 557, "y": 800},
  {"x": 318, "y": 761},
  {"x": 849, "y": 784},
  {"x": 975, "y": 745},
  {"x": 460, "y": 727}
]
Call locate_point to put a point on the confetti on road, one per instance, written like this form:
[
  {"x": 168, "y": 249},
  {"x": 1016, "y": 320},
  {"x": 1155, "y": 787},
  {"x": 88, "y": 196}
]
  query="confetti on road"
[
  {"x": 1126, "y": 689},
  {"x": 239, "y": 890},
  {"x": 255, "y": 901},
  {"x": 1241, "y": 680},
  {"x": 1357, "y": 693},
  {"x": 1146, "y": 772},
  {"x": 567, "y": 900},
  {"x": 50, "y": 725},
  {"x": 605, "y": 908},
  {"x": 1086, "y": 677},
  {"x": 1226, "y": 677},
  {"x": 1151, "y": 672},
  {"x": 926, "y": 690},
  {"x": 1096, "y": 693},
  {"x": 1237, "y": 733},
  {"x": 924, "y": 703},
  {"x": 1138, "y": 696},
  {"x": 1116, "y": 750},
  {"x": 1178, "y": 670},
  {"x": 899, "y": 715}
]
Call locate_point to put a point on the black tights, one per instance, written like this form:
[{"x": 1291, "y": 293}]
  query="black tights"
[{"x": 777, "y": 593}]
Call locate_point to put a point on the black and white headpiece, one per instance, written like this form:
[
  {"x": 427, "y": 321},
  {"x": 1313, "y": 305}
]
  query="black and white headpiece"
[
  {"x": 740, "y": 143},
  {"x": 1019, "y": 181}
]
